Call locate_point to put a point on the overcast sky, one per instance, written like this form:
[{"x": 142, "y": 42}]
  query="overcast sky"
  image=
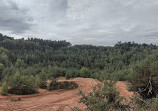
[{"x": 97, "y": 22}]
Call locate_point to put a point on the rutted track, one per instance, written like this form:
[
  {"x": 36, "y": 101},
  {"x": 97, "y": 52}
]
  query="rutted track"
[{"x": 55, "y": 100}]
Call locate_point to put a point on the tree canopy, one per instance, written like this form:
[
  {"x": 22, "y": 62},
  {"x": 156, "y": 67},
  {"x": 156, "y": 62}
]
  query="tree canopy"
[{"x": 34, "y": 56}]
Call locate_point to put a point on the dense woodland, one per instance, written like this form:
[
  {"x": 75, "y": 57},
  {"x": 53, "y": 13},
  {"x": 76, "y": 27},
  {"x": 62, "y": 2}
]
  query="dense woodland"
[
  {"x": 59, "y": 58},
  {"x": 44, "y": 59},
  {"x": 26, "y": 65}
]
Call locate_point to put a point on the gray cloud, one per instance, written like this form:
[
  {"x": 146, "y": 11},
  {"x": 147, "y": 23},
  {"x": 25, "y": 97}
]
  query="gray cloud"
[
  {"x": 97, "y": 22},
  {"x": 12, "y": 18}
]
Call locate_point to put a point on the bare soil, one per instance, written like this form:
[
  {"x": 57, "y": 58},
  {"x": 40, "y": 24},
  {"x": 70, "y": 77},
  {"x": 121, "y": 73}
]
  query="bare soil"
[{"x": 55, "y": 100}]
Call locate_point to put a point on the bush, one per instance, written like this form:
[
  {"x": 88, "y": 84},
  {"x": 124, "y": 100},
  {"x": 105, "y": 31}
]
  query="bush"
[
  {"x": 63, "y": 85},
  {"x": 103, "y": 98},
  {"x": 154, "y": 105},
  {"x": 15, "y": 99},
  {"x": 52, "y": 83},
  {"x": 120, "y": 75},
  {"x": 43, "y": 80},
  {"x": 4, "y": 90},
  {"x": 140, "y": 104},
  {"x": 70, "y": 73},
  {"x": 22, "y": 85},
  {"x": 144, "y": 79},
  {"x": 84, "y": 72},
  {"x": 76, "y": 109},
  {"x": 43, "y": 85}
]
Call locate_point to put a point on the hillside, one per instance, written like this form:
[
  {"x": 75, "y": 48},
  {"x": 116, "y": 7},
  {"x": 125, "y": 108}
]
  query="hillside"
[
  {"x": 59, "y": 58},
  {"x": 56, "y": 100},
  {"x": 30, "y": 68}
]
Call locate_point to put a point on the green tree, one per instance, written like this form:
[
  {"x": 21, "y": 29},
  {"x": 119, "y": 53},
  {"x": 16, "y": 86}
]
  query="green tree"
[
  {"x": 144, "y": 78},
  {"x": 104, "y": 98},
  {"x": 15, "y": 81},
  {"x": 85, "y": 72},
  {"x": 43, "y": 80},
  {"x": 4, "y": 90},
  {"x": 20, "y": 84},
  {"x": 19, "y": 63},
  {"x": 1, "y": 70},
  {"x": 37, "y": 79}
]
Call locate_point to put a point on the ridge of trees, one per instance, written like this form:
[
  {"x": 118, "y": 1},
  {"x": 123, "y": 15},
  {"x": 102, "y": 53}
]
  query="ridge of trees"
[{"x": 59, "y": 58}]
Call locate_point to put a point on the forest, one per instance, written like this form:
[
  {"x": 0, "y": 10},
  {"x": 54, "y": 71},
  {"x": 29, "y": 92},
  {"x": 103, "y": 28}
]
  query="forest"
[
  {"x": 31, "y": 62},
  {"x": 59, "y": 58}
]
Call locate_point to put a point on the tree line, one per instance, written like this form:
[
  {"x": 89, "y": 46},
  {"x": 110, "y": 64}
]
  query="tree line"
[{"x": 34, "y": 56}]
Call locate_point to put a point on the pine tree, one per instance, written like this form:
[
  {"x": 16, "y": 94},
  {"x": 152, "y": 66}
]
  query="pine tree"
[
  {"x": 85, "y": 72},
  {"x": 4, "y": 91},
  {"x": 1, "y": 69},
  {"x": 144, "y": 77}
]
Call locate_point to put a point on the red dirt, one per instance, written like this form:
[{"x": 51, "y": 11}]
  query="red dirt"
[
  {"x": 122, "y": 87},
  {"x": 55, "y": 100}
]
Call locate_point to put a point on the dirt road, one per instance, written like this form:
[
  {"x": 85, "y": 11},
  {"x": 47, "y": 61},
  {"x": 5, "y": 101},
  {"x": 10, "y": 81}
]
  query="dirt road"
[{"x": 54, "y": 100}]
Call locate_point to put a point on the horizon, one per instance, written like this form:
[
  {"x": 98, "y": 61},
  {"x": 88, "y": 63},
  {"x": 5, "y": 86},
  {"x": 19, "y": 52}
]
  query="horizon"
[
  {"x": 85, "y": 44},
  {"x": 99, "y": 23}
]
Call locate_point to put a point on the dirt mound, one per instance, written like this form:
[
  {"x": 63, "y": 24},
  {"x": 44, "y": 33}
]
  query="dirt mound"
[
  {"x": 55, "y": 100},
  {"x": 122, "y": 87}
]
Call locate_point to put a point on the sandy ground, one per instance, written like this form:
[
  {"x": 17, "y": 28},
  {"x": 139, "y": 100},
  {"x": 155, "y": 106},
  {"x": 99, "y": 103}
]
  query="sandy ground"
[{"x": 55, "y": 100}]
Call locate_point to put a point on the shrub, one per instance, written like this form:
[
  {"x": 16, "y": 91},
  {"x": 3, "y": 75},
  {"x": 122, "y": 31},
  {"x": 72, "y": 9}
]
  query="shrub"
[
  {"x": 43, "y": 81},
  {"x": 84, "y": 72},
  {"x": 1, "y": 70},
  {"x": 120, "y": 75},
  {"x": 4, "y": 91},
  {"x": 63, "y": 85},
  {"x": 15, "y": 99},
  {"x": 53, "y": 81},
  {"x": 154, "y": 105},
  {"x": 140, "y": 104},
  {"x": 144, "y": 79},
  {"x": 43, "y": 84},
  {"x": 70, "y": 73},
  {"x": 22, "y": 85},
  {"x": 76, "y": 109},
  {"x": 103, "y": 98}
]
